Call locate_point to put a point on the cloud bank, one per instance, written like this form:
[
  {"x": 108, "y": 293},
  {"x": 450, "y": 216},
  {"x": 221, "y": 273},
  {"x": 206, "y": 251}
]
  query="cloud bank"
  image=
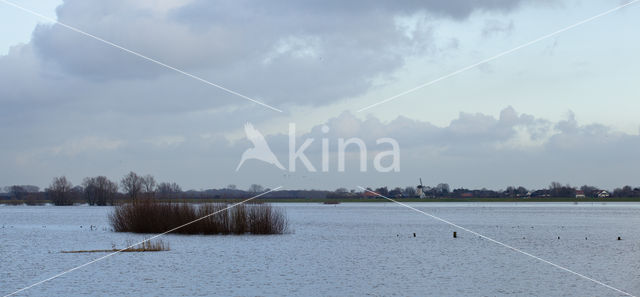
[
  {"x": 473, "y": 150},
  {"x": 72, "y": 105}
]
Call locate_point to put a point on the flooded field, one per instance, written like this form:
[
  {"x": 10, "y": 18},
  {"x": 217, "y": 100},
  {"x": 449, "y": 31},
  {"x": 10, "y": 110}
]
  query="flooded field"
[{"x": 337, "y": 250}]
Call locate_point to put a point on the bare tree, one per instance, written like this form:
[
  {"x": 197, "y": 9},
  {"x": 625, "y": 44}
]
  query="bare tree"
[
  {"x": 90, "y": 190},
  {"x": 396, "y": 192},
  {"x": 149, "y": 185},
  {"x": 17, "y": 192},
  {"x": 76, "y": 193},
  {"x": 166, "y": 190},
  {"x": 590, "y": 191},
  {"x": 626, "y": 191},
  {"x": 99, "y": 190},
  {"x": 510, "y": 192},
  {"x": 255, "y": 188},
  {"x": 443, "y": 189},
  {"x": 556, "y": 189},
  {"x": 31, "y": 188},
  {"x": 384, "y": 191},
  {"x": 132, "y": 185},
  {"x": 409, "y": 191},
  {"x": 555, "y": 186},
  {"x": 522, "y": 191},
  {"x": 60, "y": 191}
]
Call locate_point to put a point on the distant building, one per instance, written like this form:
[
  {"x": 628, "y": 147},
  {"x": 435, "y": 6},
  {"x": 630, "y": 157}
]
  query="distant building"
[
  {"x": 420, "y": 191},
  {"x": 580, "y": 194},
  {"x": 603, "y": 194},
  {"x": 466, "y": 195}
]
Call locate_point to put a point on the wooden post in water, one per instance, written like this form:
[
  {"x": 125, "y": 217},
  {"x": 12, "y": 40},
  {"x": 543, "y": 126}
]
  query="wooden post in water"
[
  {"x": 619, "y": 238},
  {"x": 414, "y": 234},
  {"x": 455, "y": 235}
]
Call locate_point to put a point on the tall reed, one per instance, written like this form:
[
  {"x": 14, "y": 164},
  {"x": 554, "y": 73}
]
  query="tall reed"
[{"x": 150, "y": 216}]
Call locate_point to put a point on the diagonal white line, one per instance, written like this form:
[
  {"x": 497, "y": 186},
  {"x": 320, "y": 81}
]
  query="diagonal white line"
[
  {"x": 487, "y": 60},
  {"x": 139, "y": 55},
  {"x": 141, "y": 242},
  {"x": 502, "y": 244}
]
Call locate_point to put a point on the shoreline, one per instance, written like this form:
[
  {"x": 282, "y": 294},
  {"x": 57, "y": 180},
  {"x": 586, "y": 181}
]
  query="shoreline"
[{"x": 362, "y": 200}]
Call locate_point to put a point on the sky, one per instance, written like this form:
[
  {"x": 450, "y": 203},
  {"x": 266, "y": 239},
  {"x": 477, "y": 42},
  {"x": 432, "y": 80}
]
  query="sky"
[{"x": 563, "y": 109}]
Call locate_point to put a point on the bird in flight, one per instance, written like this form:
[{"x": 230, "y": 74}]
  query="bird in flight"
[{"x": 260, "y": 149}]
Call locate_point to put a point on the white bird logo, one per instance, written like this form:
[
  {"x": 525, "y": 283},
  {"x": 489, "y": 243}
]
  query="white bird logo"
[{"x": 260, "y": 149}]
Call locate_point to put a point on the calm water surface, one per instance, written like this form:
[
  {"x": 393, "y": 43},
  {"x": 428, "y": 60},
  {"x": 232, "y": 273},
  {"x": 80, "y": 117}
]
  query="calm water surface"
[{"x": 352, "y": 249}]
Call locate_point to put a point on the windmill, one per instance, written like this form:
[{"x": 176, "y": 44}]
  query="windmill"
[{"x": 419, "y": 190}]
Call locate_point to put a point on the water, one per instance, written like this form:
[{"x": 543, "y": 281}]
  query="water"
[{"x": 344, "y": 250}]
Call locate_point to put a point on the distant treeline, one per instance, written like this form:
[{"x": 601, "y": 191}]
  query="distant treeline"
[
  {"x": 555, "y": 190},
  {"x": 100, "y": 190}
]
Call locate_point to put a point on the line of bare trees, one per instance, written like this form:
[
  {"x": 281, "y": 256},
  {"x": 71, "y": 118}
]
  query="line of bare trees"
[
  {"x": 100, "y": 190},
  {"x": 136, "y": 186},
  {"x": 27, "y": 193}
]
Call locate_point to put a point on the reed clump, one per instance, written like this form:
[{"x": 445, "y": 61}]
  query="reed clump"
[
  {"x": 146, "y": 246},
  {"x": 150, "y": 216}
]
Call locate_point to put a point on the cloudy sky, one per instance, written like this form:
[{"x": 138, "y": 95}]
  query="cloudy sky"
[{"x": 563, "y": 109}]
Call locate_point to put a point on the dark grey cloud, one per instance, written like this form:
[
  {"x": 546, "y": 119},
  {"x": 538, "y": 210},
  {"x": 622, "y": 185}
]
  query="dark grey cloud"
[
  {"x": 281, "y": 51},
  {"x": 63, "y": 85}
]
